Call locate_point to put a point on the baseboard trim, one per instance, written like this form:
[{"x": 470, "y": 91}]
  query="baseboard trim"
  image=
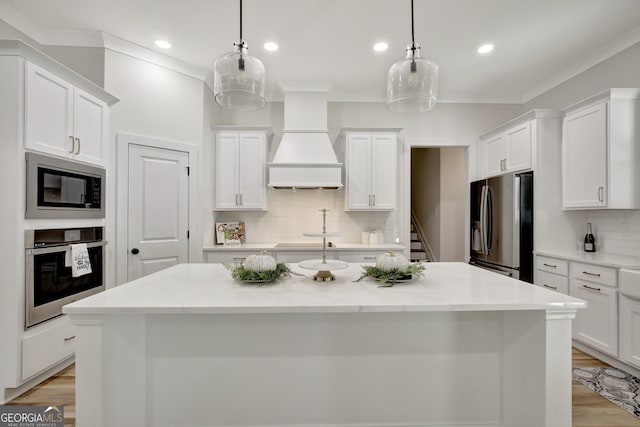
[
  {"x": 616, "y": 363},
  {"x": 12, "y": 393}
]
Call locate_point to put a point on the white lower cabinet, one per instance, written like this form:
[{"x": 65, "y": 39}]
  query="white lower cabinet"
[
  {"x": 630, "y": 330},
  {"x": 45, "y": 345},
  {"x": 596, "y": 325}
]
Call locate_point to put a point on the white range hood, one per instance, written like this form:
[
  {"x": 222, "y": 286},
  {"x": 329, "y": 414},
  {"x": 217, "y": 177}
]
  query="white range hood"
[{"x": 305, "y": 156}]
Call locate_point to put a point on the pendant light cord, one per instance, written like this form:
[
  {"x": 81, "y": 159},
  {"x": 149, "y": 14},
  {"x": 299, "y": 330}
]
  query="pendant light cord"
[
  {"x": 241, "y": 18},
  {"x": 413, "y": 40}
]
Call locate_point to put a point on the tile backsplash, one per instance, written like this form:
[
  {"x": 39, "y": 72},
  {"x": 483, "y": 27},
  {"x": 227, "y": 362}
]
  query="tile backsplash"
[
  {"x": 291, "y": 213},
  {"x": 616, "y": 231}
]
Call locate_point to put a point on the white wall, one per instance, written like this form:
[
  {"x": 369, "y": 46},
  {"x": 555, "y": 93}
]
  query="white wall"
[
  {"x": 446, "y": 125},
  {"x": 453, "y": 195},
  {"x": 617, "y": 231},
  {"x": 154, "y": 102}
]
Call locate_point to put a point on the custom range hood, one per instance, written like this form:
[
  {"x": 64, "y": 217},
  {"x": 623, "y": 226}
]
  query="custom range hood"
[{"x": 305, "y": 156}]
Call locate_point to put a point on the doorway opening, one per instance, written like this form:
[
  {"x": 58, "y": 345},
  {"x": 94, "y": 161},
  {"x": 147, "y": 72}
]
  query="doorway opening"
[{"x": 438, "y": 201}]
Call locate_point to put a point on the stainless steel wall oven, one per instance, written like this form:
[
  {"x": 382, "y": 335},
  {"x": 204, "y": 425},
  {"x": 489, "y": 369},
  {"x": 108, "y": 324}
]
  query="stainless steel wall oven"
[{"x": 49, "y": 282}]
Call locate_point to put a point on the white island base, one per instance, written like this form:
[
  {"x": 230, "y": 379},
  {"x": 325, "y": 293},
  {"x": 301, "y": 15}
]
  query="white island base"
[{"x": 189, "y": 347}]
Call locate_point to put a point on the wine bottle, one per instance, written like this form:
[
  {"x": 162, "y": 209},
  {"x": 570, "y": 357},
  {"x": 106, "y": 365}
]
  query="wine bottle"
[{"x": 589, "y": 240}]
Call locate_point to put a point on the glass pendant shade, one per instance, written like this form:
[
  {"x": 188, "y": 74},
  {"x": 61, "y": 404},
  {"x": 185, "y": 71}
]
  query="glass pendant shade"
[
  {"x": 239, "y": 80},
  {"x": 412, "y": 83}
]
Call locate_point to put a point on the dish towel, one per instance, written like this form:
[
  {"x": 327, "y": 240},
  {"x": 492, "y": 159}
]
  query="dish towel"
[{"x": 78, "y": 259}]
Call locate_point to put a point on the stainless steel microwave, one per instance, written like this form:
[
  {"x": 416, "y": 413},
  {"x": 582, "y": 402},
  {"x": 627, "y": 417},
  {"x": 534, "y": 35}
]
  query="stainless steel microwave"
[{"x": 63, "y": 189}]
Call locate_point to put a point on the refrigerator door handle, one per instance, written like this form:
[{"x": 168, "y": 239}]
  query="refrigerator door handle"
[
  {"x": 483, "y": 237},
  {"x": 489, "y": 219}
]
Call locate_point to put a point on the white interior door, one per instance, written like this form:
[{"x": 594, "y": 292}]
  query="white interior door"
[{"x": 158, "y": 209}]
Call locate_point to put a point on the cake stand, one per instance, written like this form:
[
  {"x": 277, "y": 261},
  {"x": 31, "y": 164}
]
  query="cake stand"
[{"x": 323, "y": 266}]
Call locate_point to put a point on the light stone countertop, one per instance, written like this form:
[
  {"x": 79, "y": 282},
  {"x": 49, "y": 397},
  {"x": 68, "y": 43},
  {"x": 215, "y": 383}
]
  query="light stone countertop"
[
  {"x": 337, "y": 246},
  {"x": 597, "y": 258},
  {"x": 209, "y": 288}
]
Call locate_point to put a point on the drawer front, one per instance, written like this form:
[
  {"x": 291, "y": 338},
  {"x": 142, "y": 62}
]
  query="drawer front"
[
  {"x": 554, "y": 282},
  {"x": 364, "y": 257},
  {"x": 297, "y": 256},
  {"x": 232, "y": 257},
  {"x": 552, "y": 265},
  {"x": 44, "y": 346},
  {"x": 594, "y": 273}
]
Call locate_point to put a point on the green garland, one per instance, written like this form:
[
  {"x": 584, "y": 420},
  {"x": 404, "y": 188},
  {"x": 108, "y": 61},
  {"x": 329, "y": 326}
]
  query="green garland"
[
  {"x": 238, "y": 272},
  {"x": 388, "y": 278}
]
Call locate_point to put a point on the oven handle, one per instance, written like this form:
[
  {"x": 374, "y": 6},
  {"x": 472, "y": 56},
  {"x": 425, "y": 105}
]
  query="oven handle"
[{"x": 64, "y": 248}]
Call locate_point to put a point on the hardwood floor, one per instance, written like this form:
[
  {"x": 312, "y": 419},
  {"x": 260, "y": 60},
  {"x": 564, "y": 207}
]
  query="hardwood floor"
[{"x": 589, "y": 408}]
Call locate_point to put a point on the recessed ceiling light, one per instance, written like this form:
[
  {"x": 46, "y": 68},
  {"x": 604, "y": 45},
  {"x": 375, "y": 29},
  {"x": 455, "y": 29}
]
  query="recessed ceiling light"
[
  {"x": 163, "y": 44},
  {"x": 485, "y": 48},
  {"x": 380, "y": 47},
  {"x": 271, "y": 46}
]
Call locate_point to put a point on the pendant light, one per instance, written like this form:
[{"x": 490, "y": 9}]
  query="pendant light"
[
  {"x": 412, "y": 83},
  {"x": 238, "y": 79}
]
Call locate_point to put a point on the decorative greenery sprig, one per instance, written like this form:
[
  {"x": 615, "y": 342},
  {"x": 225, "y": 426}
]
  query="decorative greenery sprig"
[
  {"x": 388, "y": 278},
  {"x": 238, "y": 272}
]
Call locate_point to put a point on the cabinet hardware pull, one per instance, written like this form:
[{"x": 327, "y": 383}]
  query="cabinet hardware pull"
[
  {"x": 591, "y": 274},
  {"x": 601, "y": 194},
  {"x": 238, "y": 259},
  {"x": 374, "y": 200},
  {"x": 550, "y": 287},
  {"x": 589, "y": 287},
  {"x": 550, "y": 265},
  {"x": 72, "y": 337},
  {"x": 236, "y": 199},
  {"x": 370, "y": 200},
  {"x": 73, "y": 145},
  {"x": 370, "y": 258},
  {"x": 240, "y": 199},
  {"x": 78, "y": 149}
]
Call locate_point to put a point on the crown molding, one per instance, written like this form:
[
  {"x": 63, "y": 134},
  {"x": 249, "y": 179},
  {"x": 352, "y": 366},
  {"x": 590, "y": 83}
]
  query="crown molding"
[
  {"x": 629, "y": 39},
  {"x": 21, "y": 23}
]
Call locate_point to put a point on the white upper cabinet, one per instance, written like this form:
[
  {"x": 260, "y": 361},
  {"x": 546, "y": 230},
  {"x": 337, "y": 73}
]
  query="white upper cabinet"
[
  {"x": 371, "y": 170},
  {"x": 600, "y": 137},
  {"x": 508, "y": 150},
  {"x": 62, "y": 119},
  {"x": 240, "y": 170}
]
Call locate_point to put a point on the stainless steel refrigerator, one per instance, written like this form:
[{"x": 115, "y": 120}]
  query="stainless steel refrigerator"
[{"x": 502, "y": 225}]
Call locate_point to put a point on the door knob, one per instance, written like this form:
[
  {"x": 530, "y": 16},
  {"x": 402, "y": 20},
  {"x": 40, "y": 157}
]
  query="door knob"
[{"x": 135, "y": 251}]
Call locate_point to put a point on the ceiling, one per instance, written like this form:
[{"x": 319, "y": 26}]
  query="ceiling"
[{"x": 538, "y": 43}]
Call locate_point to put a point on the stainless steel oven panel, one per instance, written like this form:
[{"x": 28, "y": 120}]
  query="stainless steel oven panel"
[
  {"x": 35, "y": 315},
  {"x": 34, "y": 211}
]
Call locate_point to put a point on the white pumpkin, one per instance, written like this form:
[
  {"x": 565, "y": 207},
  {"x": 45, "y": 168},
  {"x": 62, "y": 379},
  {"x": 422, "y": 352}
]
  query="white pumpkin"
[
  {"x": 259, "y": 262},
  {"x": 392, "y": 261}
]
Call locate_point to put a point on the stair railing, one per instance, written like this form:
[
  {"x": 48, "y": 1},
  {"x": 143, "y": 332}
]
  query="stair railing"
[{"x": 422, "y": 237}]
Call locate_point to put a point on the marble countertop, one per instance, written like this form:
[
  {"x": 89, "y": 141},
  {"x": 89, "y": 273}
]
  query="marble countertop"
[
  {"x": 337, "y": 246},
  {"x": 209, "y": 288},
  {"x": 598, "y": 258}
]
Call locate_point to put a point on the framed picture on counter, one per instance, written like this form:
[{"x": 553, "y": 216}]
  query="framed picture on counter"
[{"x": 230, "y": 233}]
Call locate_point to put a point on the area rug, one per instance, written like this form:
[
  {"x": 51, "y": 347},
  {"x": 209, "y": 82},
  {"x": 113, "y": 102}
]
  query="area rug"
[{"x": 613, "y": 384}]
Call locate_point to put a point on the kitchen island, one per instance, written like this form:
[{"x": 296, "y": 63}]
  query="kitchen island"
[{"x": 190, "y": 346}]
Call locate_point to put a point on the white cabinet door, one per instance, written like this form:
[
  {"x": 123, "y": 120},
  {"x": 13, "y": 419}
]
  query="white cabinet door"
[
  {"x": 371, "y": 171},
  {"x": 48, "y": 112},
  {"x": 358, "y": 172},
  {"x": 240, "y": 162},
  {"x": 596, "y": 325},
  {"x": 383, "y": 172},
  {"x": 89, "y": 127},
  {"x": 518, "y": 144},
  {"x": 496, "y": 152},
  {"x": 252, "y": 171},
  {"x": 630, "y": 330},
  {"x": 63, "y": 120},
  {"x": 584, "y": 158},
  {"x": 227, "y": 149}
]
